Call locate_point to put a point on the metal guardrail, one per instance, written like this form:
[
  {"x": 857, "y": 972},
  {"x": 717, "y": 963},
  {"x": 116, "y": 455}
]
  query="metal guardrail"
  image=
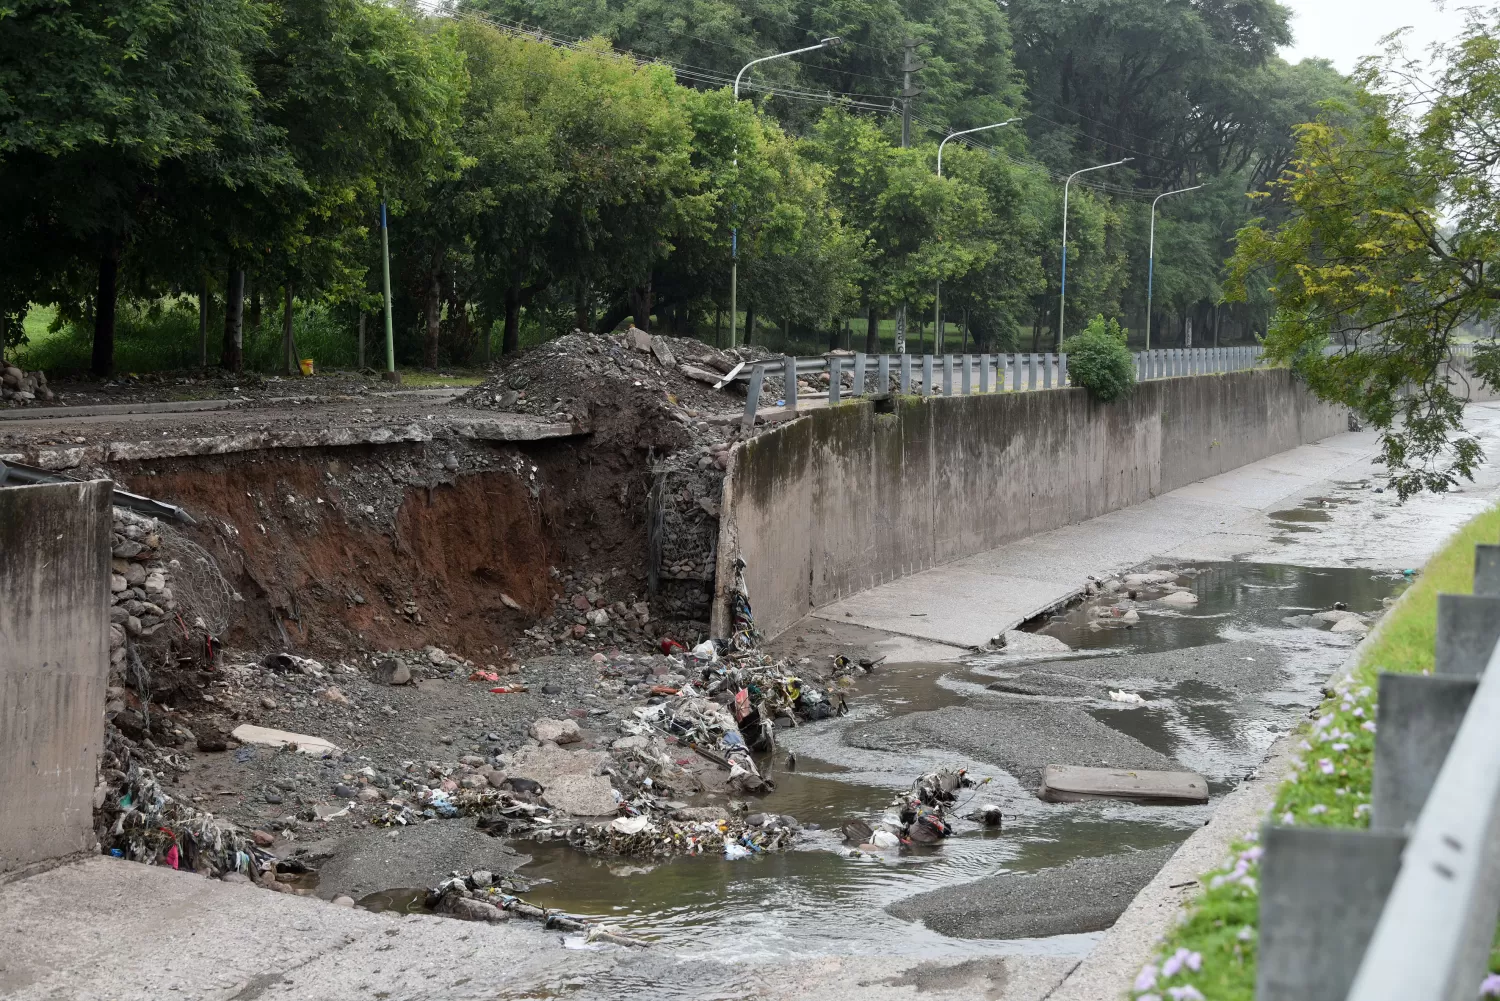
[
  {"x": 1407, "y": 910},
  {"x": 964, "y": 374}
]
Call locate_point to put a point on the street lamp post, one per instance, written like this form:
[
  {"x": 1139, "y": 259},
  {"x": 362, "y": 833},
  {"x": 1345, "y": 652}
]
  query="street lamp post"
[
  {"x": 937, "y": 298},
  {"x": 1062, "y": 306},
  {"x": 734, "y": 236},
  {"x": 1151, "y": 256}
]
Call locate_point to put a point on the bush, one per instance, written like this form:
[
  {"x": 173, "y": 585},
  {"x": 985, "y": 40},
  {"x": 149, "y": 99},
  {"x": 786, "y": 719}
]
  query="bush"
[{"x": 1099, "y": 361}]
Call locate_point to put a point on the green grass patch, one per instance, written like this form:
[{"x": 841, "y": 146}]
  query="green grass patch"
[{"x": 1212, "y": 953}]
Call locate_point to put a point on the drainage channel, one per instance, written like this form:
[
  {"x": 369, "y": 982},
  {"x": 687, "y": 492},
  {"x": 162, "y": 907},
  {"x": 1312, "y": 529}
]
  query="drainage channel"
[{"x": 1218, "y": 680}]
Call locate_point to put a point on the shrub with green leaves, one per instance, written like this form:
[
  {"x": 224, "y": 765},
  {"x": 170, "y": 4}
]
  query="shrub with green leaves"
[{"x": 1099, "y": 361}]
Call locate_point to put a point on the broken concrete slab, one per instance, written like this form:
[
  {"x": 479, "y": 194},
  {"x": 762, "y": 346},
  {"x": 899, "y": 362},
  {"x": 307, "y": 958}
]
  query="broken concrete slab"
[
  {"x": 1074, "y": 783},
  {"x": 248, "y": 733},
  {"x": 557, "y": 731},
  {"x": 581, "y": 795},
  {"x": 546, "y": 764}
]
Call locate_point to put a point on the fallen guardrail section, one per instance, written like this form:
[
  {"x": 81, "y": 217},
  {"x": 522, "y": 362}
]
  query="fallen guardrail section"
[
  {"x": 963, "y": 374},
  {"x": 1404, "y": 911}
]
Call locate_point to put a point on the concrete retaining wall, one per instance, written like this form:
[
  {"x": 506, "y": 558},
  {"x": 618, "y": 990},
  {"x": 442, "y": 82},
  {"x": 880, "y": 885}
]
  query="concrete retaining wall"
[
  {"x": 54, "y": 659},
  {"x": 845, "y": 498}
]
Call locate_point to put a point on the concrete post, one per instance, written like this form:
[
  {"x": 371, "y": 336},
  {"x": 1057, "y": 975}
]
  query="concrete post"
[
  {"x": 905, "y": 373},
  {"x": 1062, "y": 370},
  {"x": 789, "y": 381},
  {"x": 835, "y": 380},
  {"x": 1047, "y": 370},
  {"x": 752, "y": 396},
  {"x": 967, "y": 361},
  {"x": 1468, "y": 627},
  {"x": 859, "y": 374},
  {"x": 984, "y": 373},
  {"x": 1487, "y": 570},
  {"x": 947, "y": 375},
  {"x": 1033, "y": 361},
  {"x": 1416, "y": 721},
  {"x": 1321, "y": 893},
  {"x": 54, "y": 665},
  {"x": 927, "y": 375},
  {"x": 883, "y": 374}
]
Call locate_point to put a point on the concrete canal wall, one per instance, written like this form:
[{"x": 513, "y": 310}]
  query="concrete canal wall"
[
  {"x": 847, "y": 498},
  {"x": 54, "y": 661}
]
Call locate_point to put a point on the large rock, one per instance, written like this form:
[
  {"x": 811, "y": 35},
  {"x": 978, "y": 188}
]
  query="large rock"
[
  {"x": 392, "y": 672},
  {"x": 1179, "y": 599},
  {"x": 581, "y": 795},
  {"x": 558, "y": 731}
]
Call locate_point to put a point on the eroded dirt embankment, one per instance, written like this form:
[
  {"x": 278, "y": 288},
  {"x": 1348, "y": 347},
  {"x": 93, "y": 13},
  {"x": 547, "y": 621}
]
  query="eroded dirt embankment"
[{"x": 403, "y": 546}]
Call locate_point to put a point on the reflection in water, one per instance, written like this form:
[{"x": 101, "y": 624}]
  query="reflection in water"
[{"x": 1244, "y": 596}]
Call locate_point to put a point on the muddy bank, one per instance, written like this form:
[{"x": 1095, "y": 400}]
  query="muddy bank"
[{"x": 1082, "y": 896}]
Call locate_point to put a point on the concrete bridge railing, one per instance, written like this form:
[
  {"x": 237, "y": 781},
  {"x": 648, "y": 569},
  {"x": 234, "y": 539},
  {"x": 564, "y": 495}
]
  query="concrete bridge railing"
[{"x": 1406, "y": 909}]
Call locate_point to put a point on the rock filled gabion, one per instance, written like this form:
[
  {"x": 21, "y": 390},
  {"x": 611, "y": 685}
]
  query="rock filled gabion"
[
  {"x": 17, "y": 386},
  {"x": 140, "y": 594}
]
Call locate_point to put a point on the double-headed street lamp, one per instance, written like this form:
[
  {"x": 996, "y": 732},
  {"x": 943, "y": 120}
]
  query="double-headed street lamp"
[
  {"x": 937, "y": 299},
  {"x": 734, "y": 234},
  {"x": 1151, "y": 258},
  {"x": 1062, "y": 307}
]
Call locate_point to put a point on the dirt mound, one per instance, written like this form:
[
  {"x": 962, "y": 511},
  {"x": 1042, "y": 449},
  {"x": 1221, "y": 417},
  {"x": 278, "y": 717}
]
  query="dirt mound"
[{"x": 599, "y": 379}]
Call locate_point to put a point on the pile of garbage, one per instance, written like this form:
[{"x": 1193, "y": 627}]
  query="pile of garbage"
[
  {"x": 920, "y": 816},
  {"x": 137, "y": 819},
  {"x": 477, "y": 897}
]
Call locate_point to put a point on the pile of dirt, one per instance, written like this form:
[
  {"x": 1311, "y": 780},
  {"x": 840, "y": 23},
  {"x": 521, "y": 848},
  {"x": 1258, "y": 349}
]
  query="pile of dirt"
[{"x": 598, "y": 379}]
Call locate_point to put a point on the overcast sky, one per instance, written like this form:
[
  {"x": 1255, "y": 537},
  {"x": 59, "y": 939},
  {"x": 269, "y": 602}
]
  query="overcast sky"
[{"x": 1345, "y": 30}]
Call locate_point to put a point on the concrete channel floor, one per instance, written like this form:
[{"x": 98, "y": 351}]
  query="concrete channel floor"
[
  {"x": 105, "y": 930},
  {"x": 963, "y": 604}
]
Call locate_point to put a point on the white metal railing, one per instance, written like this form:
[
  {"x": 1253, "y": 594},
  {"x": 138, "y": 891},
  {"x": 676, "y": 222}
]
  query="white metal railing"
[{"x": 964, "y": 374}]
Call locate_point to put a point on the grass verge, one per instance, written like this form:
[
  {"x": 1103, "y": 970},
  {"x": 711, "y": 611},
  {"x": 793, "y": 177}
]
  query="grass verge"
[{"x": 1211, "y": 954}]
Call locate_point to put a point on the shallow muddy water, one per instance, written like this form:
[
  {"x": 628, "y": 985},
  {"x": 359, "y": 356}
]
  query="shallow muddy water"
[{"x": 817, "y": 900}]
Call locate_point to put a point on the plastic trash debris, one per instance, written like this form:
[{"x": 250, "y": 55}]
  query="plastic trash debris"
[
  {"x": 857, "y": 832},
  {"x": 484, "y": 676},
  {"x": 884, "y": 839},
  {"x": 508, "y": 689},
  {"x": 988, "y": 814},
  {"x": 734, "y": 851},
  {"x": 670, "y": 646},
  {"x": 706, "y": 651},
  {"x": 1130, "y": 698},
  {"x": 630, "y": 825}
]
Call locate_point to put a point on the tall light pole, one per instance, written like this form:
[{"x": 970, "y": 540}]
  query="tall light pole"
[
  {"x": 1151, "y": 256},
  {"x": 385, "y": 285},
  {"x": 1062, "y": 306},
  {"x": 734, "y": 233},
  {"x": 937, "y": 298}
]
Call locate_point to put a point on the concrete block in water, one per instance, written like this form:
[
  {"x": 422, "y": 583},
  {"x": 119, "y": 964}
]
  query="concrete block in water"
[{"x": 1074, "y": 783}]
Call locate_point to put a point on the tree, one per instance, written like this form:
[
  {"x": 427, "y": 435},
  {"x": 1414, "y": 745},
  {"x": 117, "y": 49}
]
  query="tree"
[
  {"x": 1381, "y": 267},
  {"x": 102, "y": 105}
]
